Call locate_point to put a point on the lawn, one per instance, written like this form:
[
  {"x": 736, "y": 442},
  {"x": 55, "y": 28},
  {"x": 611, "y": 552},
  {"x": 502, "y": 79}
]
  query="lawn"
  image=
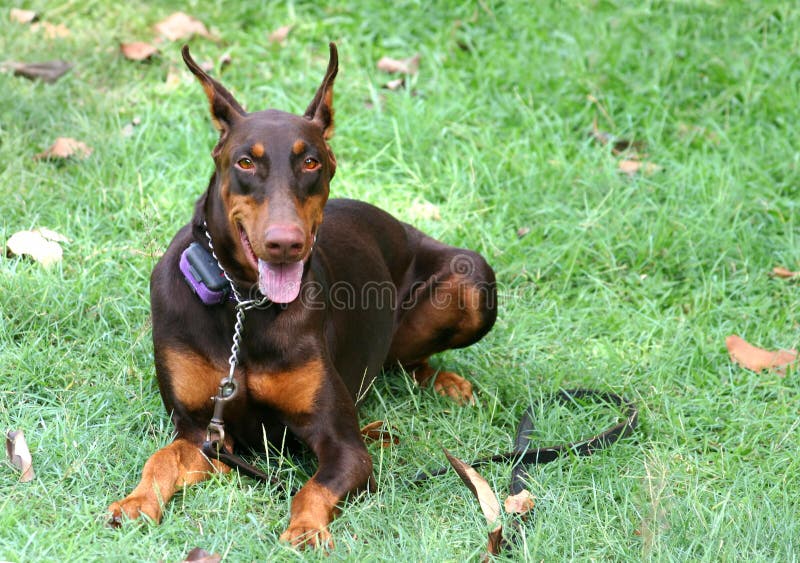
[{"x": 627, "y": 282}]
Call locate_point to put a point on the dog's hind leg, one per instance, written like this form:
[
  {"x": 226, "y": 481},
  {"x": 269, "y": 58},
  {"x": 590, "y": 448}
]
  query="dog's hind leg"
[{"x": 452, "y": 304}]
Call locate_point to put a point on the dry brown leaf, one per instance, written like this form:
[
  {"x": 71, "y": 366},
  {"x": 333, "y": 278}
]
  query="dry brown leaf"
[
  {"x": 137, "y": 50},
  {"x": 280, "y": 34},
  {"x": 692, "y": 131},
  {"x": 490, "y": 506},
  {"x": 395, "y": 84},
  {"x": 48, "y": 71},
  {"x": 22, "y": 16},
  {"x": 618, "y": 146},
  {"x": 51, "y": 30},
  {"x": 40, "y": 244},
  {"x": 19, "y": 455},
  {"x": 374, "y": 432},
  {"x": 520, "y": 503},
  {"x": 757, "y": 359},
  {"x": 200, "y": 555},
  {"x": 182, "y": 26},
  {"x": 633, "y": 167},
  {"x": 404, "y": 66},
  {"x": 65, "y": 147},
  {"x": 785, "y": 273}
]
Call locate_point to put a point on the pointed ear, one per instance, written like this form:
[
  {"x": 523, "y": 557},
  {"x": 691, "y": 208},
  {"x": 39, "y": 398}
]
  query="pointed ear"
[
  {"x": 225, "y": 110},
  {"x": 320, "y": 110}
]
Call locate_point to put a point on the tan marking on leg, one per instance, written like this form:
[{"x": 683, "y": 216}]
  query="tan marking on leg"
[
  {"x": 193, "y": 378},
  {"x": 168, "y": 470},
  {"x": 447, "y": 383},
  {"x": 257, "y": 150},
  {"x": 299, "y": 147},
  {"x": 313, "y": 508},
  {"x": 293, "y": 391}
]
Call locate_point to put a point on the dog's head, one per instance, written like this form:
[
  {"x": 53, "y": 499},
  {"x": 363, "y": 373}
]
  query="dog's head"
[{"x": 273, "y": 171}]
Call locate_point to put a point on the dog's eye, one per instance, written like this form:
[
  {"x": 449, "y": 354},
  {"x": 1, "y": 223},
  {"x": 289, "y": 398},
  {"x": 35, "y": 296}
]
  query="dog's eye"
[
  {"x": 310, "y": 164},
  {"x": 245, "y": 163}
]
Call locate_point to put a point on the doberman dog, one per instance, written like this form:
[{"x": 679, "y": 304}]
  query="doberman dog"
[{"x": 348, "y": 297}]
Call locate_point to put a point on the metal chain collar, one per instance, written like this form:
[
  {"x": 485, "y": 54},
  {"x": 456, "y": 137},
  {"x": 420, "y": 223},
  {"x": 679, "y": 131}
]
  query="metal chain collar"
[{"x": 227, "y": 386}]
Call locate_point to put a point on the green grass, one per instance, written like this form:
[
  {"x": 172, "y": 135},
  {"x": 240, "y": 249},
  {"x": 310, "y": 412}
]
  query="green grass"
[{"x": 626, "y": 284}]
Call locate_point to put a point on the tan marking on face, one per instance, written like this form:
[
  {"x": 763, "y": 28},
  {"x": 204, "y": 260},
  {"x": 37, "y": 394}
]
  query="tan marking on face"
[
  {"x": 257, "y": 150},
  {"x": 298, "y": 147},
  {"x": 244, "y": 210},
  {"x": 194, "y": 379},
  {"x": 293, "y": 391},
  {"x": 310, "y": 212}
]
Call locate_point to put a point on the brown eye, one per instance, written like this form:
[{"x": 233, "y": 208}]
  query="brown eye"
[
  {"x": 310, "y": 164},
  {"x": 245, "y": 163}
]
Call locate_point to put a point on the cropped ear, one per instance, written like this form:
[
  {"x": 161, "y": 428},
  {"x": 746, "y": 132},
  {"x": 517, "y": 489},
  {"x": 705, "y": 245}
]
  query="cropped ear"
[
  {"x": 225, "y": 110},
  {"x": 320, "y": 110}
]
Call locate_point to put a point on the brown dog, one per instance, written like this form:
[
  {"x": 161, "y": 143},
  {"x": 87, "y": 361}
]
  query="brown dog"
[{"x": 349, "y": 295}]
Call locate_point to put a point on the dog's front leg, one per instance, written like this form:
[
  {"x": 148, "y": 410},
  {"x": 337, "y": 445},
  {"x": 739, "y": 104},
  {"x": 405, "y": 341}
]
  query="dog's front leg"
[
  {"x": 345, "y": 466},
  {"x": 166, "y": 472}
]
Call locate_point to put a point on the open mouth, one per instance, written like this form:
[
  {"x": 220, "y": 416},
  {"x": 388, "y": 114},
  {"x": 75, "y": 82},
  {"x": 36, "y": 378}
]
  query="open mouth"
[{"x": 279, "y": 282}]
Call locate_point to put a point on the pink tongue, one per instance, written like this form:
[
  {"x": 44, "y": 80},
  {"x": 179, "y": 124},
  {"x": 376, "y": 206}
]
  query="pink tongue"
[{"x": 280, "y": 283}]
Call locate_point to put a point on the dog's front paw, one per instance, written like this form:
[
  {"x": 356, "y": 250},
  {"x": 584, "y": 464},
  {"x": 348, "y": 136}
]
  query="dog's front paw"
[
  {"x": 307, "y": 535},
  {"x": 452, "y": 385},
  {"x": 131, "y": 508}
]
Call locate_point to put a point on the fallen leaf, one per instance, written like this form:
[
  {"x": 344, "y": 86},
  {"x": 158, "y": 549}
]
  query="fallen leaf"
[
  {"x": 50, "y": 234},
  {"x": 374, "y": 432},
  {"x": 280, "y": 34},
  {"x": 757, "y": 359},
  {"x": 48, "y": 71},
  {"x": 425, "y": 210},
  {"x": 520, "y": 503},
  {"x": 200, "y": 555},
  {"x": 522, "y": 231},
  {"x": 65, "y": 147},
  {"x": 404, "y": 66},
  {"x": 395, "y": 84},
  {"x": 785, "y": 273},
  {"x": 129, "y": 127},
  {"x": 174, "y": 78},
  {"x": 182, "y": 26},
  {"x": 40, "y": 244},
  {"x": 693, "y": 131},
  {"x": 137, "y": 50},
  {"x": 486, "y": 498},
  {"x": 633, "y": 167},
  {"x": 22, "y": 16},
  {"x": 51, "y": 30},
  {"x": 618, "y": 146},
  {"x": 19, "y": 455}
]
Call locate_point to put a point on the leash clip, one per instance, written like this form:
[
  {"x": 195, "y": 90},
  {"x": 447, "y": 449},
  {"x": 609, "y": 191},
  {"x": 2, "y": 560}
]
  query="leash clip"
[{"x": 215, "y": 433}]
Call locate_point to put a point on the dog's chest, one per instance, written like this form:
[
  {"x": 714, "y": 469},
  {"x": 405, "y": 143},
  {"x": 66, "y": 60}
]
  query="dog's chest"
[{"x": 291, "y": 391}]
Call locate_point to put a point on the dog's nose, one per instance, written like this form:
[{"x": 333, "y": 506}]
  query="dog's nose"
[{"x": 284, "y": 242}]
